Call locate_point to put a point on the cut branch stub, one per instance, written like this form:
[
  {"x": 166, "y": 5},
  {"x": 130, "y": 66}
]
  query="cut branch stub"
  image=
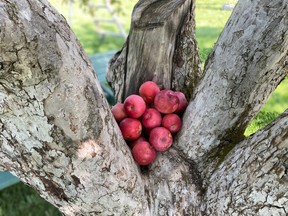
[{"x": 154, "y": 51}]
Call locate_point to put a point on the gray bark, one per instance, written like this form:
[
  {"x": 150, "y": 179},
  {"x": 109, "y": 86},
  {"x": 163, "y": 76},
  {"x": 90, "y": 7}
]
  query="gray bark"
[
  {"x": 247, "y": 63},
  {"x": 257, "y": 179},
  {"x": 58, "y": 135}
]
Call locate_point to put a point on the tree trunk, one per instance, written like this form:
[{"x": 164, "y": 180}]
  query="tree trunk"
[
  {"x": 161, "y": 47},
  {"x": 58, "y": 135}
]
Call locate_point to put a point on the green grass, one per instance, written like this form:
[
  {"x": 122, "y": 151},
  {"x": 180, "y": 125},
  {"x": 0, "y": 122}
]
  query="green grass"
[
  {"x": 20, "y": 200},
  {"x": 276, "y": 104},
  {"x": 84, "y": 27},
  {"x": 210, "y": 20}
]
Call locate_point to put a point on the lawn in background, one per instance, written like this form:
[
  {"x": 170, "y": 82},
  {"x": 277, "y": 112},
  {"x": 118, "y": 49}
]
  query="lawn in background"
[
  {"x": 21, "y": 200},
  {"x": 210, "y": 20},
  {"x": 276, "y": 104},
  {"x": 82, "y": 23}
]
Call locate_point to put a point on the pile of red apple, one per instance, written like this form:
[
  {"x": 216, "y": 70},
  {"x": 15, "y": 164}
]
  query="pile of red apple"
[{"x": 148, "y": 120}]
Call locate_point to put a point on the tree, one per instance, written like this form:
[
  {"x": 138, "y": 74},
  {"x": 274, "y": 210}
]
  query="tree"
[{"x": 59, "y": 137}]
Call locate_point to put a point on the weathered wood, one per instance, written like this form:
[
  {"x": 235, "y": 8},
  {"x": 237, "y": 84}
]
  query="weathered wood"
[
  {"x": 161, "y": 47},
  {"x": 117, "y": 64}
]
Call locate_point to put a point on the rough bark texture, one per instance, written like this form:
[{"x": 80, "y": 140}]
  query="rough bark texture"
[
  {"x": 58, "y": 135},
  {"x": 247, "y": 63},
  {"x": 161, "y": 47},
  {"x": 257, "y": 179}
]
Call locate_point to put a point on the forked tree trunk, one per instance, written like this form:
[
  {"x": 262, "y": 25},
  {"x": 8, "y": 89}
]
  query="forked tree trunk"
[{"x": 58, "y": 135}]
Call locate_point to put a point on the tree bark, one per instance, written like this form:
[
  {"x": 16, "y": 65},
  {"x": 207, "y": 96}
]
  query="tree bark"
[
  {"x": 247, "y": 63},
  {"x": 58, "y": 135},
  {"x": 257, "y": 179}
]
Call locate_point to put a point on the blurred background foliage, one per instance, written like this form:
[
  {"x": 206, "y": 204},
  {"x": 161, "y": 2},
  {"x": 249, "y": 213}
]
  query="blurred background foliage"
[{"x": 19, "y": 200}]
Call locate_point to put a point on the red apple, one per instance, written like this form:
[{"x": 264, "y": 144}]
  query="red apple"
[
  {"x": 118, "y": 112},
  {"x": 172, "y": 122},
  {"x": 131, "y": 128},
  {"x": 143, "y": 153},
  {"x": 166, "y": 101},
  {"x": 134, "y": 106},
  {"x": 183, "y": 103},
  {"x": 134, "y": 142},
  {"x": 160, "y": 138},
  {"x": 148, "y": 90},
  {"x": 151, "y": 118}
]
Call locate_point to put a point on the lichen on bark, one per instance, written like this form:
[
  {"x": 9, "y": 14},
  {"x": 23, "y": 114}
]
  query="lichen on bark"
[{"x": 57, "y": 133}]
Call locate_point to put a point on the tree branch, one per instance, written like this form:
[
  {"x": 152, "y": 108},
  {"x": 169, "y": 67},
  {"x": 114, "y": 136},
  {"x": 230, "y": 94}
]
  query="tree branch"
[
  {"x": 57, "y": 127},
  {"x": 161, "y": 47},
  {"x": 252, "y": 180},
  {"x": 247, "y": 63}
]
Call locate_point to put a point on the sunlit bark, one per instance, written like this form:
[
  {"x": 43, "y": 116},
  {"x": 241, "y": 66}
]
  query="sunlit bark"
[{"x": 58, "y": 135}]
